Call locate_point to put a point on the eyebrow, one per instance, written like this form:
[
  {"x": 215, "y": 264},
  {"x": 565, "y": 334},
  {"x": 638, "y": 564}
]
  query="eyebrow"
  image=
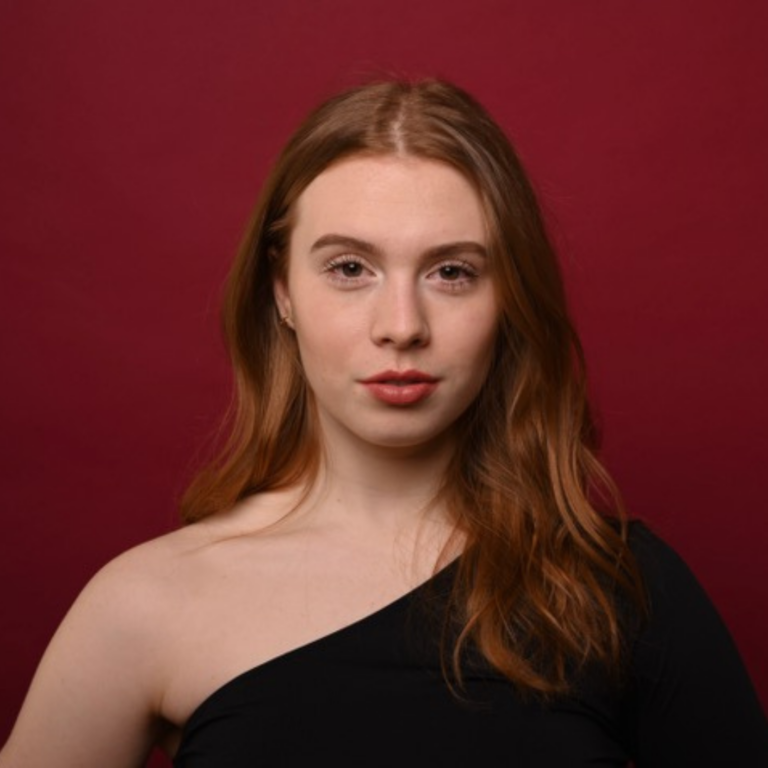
[{"x": 362, "y": 246}]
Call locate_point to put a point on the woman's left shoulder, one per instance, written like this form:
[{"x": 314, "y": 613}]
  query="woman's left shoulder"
[
  {"x": 694, "y": 701},
  {"x": 663, "y": 568},
  {"x": 680, "y": 610}
]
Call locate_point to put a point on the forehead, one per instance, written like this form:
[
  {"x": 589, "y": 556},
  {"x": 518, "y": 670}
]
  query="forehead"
[{"x": 391, "y": 199}]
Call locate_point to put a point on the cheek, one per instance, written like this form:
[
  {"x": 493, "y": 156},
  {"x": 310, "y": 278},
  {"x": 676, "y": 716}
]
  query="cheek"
[
  {"x": 327, "y": 330},
  {"x": 323, "y": 347},
  {"x": 476, "y": 335}
]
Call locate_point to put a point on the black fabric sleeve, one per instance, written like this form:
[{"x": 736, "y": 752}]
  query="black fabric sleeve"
[{"x": 695, "y": 705}]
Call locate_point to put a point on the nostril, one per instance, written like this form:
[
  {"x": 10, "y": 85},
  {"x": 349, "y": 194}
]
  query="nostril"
[{"x": 403, "y": 341}]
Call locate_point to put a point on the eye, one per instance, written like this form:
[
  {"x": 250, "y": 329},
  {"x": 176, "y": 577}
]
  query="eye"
[
  {"x": 346, "y": 269},
  {"x": 455, "y": 275},
  {"x": 451, "y": 272},
  {"x": 350, "y": 268}
]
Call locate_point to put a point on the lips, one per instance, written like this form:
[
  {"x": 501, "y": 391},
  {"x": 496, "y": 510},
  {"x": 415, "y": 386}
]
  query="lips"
[
  {"x": 401, "y": 387},
  {"x": 400, "y": 378}
]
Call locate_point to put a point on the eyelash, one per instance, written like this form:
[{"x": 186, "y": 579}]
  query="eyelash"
[
  {"x": 334, "y": 267},
  {"x": 468, "y": 273}
]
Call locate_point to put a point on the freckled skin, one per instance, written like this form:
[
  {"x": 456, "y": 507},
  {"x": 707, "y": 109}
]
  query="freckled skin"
[{"x": 387, "y": 272}]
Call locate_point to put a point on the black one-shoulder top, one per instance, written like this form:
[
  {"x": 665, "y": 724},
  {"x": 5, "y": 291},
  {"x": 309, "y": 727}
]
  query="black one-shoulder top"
[{"x": 372, "y": 694}]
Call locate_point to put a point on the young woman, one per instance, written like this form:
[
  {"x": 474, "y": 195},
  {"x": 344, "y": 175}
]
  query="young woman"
[{"x": 408, "y": 553}]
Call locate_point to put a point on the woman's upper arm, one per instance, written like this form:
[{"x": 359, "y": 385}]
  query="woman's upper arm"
[{"x": 94, "y": 697}]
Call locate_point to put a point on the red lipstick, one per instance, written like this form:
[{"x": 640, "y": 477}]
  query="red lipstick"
[{"x": 400, "y": 387}]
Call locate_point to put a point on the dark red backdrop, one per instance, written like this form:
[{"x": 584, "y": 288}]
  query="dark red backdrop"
[{"x": 134, "y": 136}]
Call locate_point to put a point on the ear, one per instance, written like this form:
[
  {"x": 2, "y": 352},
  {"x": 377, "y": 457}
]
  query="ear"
[{"x": 282, "y": 300}]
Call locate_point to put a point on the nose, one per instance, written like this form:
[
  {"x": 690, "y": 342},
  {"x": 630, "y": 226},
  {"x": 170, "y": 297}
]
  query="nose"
[{"x": 399, "y": 319}]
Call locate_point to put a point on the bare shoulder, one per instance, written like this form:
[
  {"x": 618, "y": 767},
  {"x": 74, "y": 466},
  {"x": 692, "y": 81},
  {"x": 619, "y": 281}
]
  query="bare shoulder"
[
  {"x": 134, "y": 589},
  {"x": 143, "y": 592},
  {"x": 145, "y": 576},
  {"x": 95, "y": 698},
  {"x": 149, "y": 576}
]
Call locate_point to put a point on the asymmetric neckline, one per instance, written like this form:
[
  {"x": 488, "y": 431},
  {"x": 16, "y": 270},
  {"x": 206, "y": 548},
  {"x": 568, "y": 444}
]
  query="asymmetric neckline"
[
  {"x": 329, "y": 637},
  {"x": 377, "y": 692}
]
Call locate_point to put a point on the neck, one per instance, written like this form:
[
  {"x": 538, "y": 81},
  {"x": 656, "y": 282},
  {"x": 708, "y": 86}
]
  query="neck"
[
  {"x": 371, "y": 499},
  {"x": 361, "y": 484}
]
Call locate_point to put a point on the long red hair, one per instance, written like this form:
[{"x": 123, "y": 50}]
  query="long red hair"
[{"x": 546, "y": 558}]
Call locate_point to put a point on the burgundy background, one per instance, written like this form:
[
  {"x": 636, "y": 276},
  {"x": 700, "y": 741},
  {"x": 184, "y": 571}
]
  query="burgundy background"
[{"x": 134, "y": 136}]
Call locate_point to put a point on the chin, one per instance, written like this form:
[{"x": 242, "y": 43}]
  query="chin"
[{"x": 410, "y": 441}]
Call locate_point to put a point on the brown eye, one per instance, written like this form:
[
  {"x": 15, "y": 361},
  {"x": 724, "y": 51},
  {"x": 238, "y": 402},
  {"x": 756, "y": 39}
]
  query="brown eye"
[
  {"x": 351, "y": 269},
  {"x": 450, "y": 272}
]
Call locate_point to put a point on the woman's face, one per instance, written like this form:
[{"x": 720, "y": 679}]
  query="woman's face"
[{"x": 390, "y": 295}]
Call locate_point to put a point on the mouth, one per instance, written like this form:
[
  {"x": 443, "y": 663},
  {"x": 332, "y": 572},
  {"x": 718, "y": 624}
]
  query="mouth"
[
  {"x": 400, "y": 388},
  {"x": 400, "y": 378}
]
